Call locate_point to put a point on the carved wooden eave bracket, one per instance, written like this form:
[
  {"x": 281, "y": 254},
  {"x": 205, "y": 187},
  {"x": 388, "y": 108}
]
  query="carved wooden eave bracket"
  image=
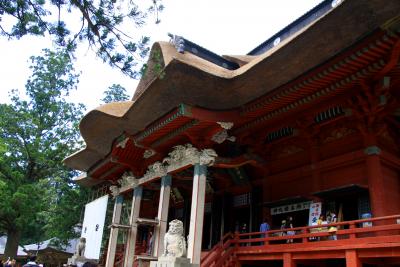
[
  {"x": 180, "y": 157},
  {"x": 126, "y": 181},
  {"x": 223, "y": 135}
]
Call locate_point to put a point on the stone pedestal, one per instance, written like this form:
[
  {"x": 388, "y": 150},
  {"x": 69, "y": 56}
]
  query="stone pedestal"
[
  {"x": 79, "y": 260},
  {"x": 172, "y": 262}
]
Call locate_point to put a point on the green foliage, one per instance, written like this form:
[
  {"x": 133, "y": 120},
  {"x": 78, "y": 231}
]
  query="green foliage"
[
  {"x": 158, "y": 65},
  {"x": 65, "y": 210},
  {"x": 37, "y": 131},
  {"x": 100, "y": 25},
  {"x": 115, "y": 93},
  {"x": 16, "y": 200}
]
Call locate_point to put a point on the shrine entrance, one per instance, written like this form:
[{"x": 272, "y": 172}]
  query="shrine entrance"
[
  {"x": 349, "y": 202},
  {"x": 241, "y": 219}
]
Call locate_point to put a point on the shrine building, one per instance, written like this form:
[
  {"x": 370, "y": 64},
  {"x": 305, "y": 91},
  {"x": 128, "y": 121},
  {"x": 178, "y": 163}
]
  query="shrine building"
[{"x": 305, "y": 124}]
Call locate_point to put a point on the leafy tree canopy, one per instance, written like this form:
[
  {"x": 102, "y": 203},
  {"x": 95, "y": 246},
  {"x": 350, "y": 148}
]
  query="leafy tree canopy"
[
  {"x": 115, "y": 93},
  {"x": 101, "y": 23},
  {"x": 38, "y": 130}
]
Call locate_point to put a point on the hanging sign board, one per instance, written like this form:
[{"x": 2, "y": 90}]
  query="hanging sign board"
[
  {"x": 93, "y": 225},
  {"x": 315, "y": 212},
  {"x": 290, "y": 208}
]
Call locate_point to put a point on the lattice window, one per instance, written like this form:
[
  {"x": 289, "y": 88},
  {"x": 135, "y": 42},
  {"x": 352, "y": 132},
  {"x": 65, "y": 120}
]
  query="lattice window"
[
  {"x": 329, "y": 114},
  {"x": 364, "y": 206},
  {"x": 283, "y": 132},
  {"x": 207, "y": 207},
  {"x": 241, "y": 200}
]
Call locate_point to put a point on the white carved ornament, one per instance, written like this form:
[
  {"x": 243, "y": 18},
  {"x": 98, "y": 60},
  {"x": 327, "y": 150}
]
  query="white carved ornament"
[
  {"x": 127, "y": 180},
  {"x": 157, "y": 169},
  {"x": 182, "y": 155},
  {"x": 223, "y": 135},
  {"x": 225, "y": 125},
  {"x": 114, "y": 190},
  {"x": 148, "y": 153},
  {"x": 123, "y": 143}
]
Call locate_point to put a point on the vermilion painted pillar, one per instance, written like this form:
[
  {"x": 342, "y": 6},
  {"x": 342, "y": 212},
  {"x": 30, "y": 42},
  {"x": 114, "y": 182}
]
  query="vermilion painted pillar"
[
  {"x": 163, "y": 207},
  {"x": 316, "y": 173},
  {"x": 352, "y": 259},
  {"x": 266, "y": 194},
  {"x": 197, "y": 213},
  {"x": 112, "y": 241},
  {"x": 131, "y": 242},
  {"x": 375, "y": 182},
  {"x": 288, "y": 260}
]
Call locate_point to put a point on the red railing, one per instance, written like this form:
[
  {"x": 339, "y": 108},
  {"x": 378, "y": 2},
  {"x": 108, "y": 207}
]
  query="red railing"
[
  {"x": 221, "y": 254},
  {"x": 387, "y": 225},
  {"x": 232, "y": 246},
  {"x": 120, "y": 253}
]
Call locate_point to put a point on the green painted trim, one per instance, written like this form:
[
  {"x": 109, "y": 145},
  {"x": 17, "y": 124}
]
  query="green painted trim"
[
  {"x": 120, "y": 138},
  {"x": 185, "y": 110}
]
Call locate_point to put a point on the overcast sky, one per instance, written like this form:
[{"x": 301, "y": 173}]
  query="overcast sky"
[{"x": 229, "y": 27}]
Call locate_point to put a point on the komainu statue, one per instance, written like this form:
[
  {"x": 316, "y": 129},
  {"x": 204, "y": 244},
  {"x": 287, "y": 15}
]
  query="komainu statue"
[
  {"x": 80, "y": 247},
  {"x": 174, "y": 242}
]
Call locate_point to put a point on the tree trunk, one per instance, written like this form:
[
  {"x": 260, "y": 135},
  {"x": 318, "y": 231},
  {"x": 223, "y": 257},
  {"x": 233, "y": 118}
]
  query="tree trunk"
[{"x": 13, "y": 237}]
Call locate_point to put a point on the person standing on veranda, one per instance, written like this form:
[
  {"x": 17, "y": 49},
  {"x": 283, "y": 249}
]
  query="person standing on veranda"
[
  {"x": 289, "y": 225},
  {"x": 264, "y": 227}
]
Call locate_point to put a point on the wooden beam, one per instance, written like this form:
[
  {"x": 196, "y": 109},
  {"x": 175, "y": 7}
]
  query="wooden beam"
[
  {"x": 145, "y": 221},
  {"x": 110, "y": 171},
  {"x": 119, "y": 226}
]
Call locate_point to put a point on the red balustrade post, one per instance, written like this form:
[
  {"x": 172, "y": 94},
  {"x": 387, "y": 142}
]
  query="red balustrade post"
[
  {"x": 305, "y": 231},
  {"x": 352, "y": 226},
  {"x": 236, "y": 240},
  {"x": 266, "y": 242}
]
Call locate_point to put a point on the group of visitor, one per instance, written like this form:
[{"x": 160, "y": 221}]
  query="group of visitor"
[
  {"x": 31, "y": 262},
  {"x": 329, "y": 219},
  {"x": 8, "y": 263},
  {"x": 287, "y": 226}
]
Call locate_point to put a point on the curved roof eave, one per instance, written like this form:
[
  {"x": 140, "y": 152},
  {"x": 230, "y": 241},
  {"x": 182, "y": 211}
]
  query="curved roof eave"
[{"x": 195, "y": 81}]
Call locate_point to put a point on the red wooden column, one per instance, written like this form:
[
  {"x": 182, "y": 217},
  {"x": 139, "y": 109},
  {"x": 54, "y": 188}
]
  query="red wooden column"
[
  {"x": 288, "y": 260},
  {"x": 266, "y": 193},
  {"x": 375, "y": 181},
  {"x": 316, "y": 173},
  {"x": 352, "y": 259}
]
